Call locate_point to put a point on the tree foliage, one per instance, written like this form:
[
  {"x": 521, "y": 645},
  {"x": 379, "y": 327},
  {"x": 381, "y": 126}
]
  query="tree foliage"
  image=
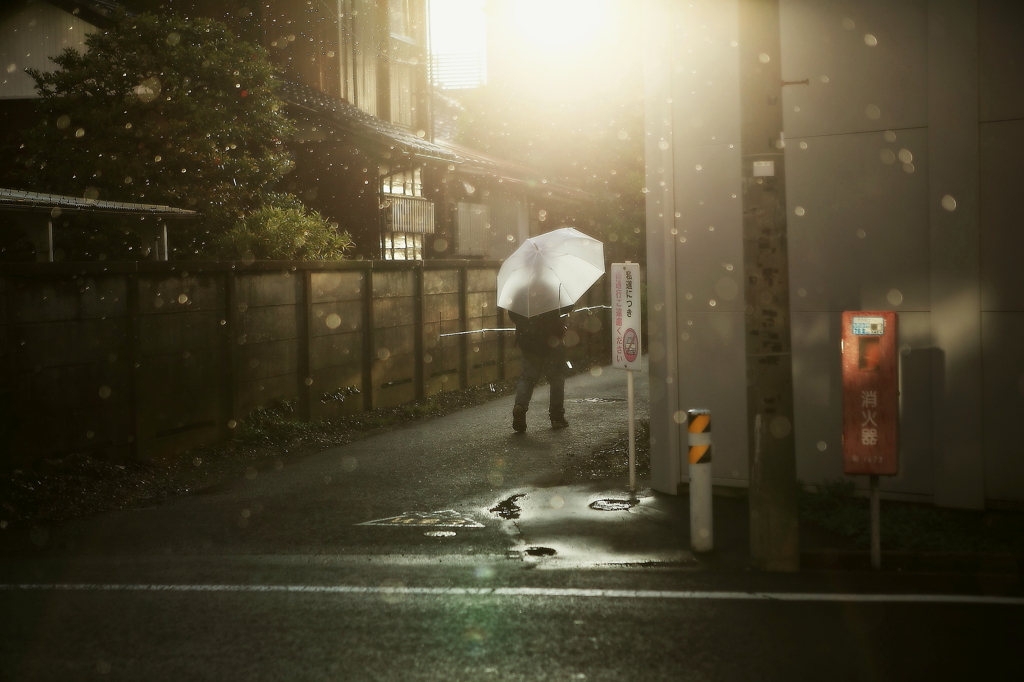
[
  {"x": 283, "y": 229},
  {"x": 161, "y": 110}
]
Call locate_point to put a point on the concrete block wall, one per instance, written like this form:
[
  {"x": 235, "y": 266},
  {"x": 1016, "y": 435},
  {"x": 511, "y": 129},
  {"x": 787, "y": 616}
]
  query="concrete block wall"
[{"x": 148, "y": 360}]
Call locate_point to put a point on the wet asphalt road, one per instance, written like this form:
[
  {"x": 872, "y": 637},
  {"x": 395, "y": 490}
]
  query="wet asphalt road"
[{"x": 276, "y": 577}]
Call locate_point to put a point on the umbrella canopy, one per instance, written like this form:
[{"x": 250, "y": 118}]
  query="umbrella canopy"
[{"x": 550, "y": 271}]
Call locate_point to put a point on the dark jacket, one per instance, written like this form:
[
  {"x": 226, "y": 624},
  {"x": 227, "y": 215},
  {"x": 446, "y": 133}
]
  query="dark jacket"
[{"x": 539, "y": 334}]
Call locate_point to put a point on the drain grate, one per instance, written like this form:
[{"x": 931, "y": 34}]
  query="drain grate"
[{"x": 612, "y": 505}]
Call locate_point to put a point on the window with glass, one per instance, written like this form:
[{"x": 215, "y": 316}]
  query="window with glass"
[
  {"x": 406, "y": 182},
  {"x": 403, "y": 246}
]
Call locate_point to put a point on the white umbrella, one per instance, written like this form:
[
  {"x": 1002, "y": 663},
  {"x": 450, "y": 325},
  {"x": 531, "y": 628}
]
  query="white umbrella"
[{"x": 550, "y": 271}]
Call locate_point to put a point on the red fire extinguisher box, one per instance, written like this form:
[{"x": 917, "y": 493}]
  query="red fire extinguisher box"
[{"x": 870, "y": 393}]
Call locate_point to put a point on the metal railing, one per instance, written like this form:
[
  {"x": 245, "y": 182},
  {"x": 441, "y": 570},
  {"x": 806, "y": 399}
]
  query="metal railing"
[{"x": 406, "y": 214}]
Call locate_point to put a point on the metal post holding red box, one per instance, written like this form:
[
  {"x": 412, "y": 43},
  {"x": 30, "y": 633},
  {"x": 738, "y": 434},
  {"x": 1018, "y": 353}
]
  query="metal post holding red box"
[
  {"x": 870, "y": 393},
  {"x": 871, "y": 406}
]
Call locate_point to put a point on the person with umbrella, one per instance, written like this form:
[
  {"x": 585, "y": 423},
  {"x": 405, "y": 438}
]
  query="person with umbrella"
[
  {"x": 545, "y": 276},
  {"x": 542, "y": 341}
]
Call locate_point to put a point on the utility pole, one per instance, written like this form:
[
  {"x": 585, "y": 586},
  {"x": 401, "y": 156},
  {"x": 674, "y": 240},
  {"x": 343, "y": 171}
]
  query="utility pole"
[{"x": 774, "y": 532}]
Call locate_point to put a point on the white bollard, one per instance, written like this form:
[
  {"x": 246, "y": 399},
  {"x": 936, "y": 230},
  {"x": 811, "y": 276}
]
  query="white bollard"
[{"x": 702, "y": 536}]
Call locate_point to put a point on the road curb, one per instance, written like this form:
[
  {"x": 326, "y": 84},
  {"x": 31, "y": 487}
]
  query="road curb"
[{"x": 951, "y": 562}]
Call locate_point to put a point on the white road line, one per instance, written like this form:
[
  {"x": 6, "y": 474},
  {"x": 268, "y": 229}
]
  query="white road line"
[{"x": 527, "y": 592}]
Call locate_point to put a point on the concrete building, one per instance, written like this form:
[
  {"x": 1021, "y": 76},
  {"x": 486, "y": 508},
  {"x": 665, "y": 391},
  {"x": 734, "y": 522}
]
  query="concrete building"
[{"x": 903, "y": 126}]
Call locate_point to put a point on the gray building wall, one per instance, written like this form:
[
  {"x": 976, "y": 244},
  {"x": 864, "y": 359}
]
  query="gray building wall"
[{"x": 899, "y": 154}]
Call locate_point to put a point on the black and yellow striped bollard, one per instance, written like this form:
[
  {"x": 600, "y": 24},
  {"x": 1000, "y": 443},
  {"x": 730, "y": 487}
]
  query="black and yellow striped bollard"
[{"x": 698, "y": 429}]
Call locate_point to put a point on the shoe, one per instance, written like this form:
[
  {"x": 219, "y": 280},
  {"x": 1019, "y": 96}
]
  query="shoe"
[
  {"x": 519, "y": 418},
  {"x": 559, "y": 422}
]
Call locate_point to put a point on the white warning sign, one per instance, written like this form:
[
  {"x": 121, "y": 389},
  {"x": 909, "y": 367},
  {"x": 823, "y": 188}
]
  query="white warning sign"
[{"x": 626, "y": 341}]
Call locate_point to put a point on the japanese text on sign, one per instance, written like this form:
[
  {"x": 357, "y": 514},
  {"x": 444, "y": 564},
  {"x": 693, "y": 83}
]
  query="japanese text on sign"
[
  {"x": 870, "y": 395},
  {"x": 626, "y": 339}
]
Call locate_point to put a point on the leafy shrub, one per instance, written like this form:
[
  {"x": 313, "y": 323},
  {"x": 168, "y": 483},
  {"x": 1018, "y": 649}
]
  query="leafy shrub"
[{"x": 283, "y": 229}]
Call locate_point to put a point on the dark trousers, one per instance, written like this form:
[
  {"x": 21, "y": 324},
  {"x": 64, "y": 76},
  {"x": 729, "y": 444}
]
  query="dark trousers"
[{"x": 551, "y": 365}]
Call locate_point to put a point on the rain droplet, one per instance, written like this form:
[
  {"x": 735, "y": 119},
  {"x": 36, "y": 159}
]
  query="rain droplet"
[
  {"x": 726, "y": 288},
  {"x": 908, "y": 168},
  {"x": 803, "y": 145},
  {"x": 698, "y": 166},
  {"x": 679, "y": 417},
  {"x": 349, "y": 463},
  {"x": 80, "y": 132},
  {"x": 780, "y": 426},
  {"x": 173, "y": 38},
  {"x": 890, "y": 136},
  {"x": 763, "y": 58},
  {"x": 848, "y": 24},
  {"x": 822, "y": 446},
  {"x": 63, "y": 122},
  {"x": 888, "y": 158},
  {"x": 801, "y": 292},
  {"x": 949, "y": 203},
  {"x": 232, "y": 423},
  {"x": 104, "y": 392},
  {"x": 333, "y": 321},
  {"x": 905, "y": 156},
  {"x": 557, "y": 502},
  {"x": 183, "y": 298},
  {"x": 383, "y": 354},
  {"x": 799, "y": 210},
  {"x": 824, "y": 79},
  {"x": 870, "y": 40},
  {"x": 663, "y": 144},
  {"x": 862, "y": 234},
  {"x": 895, "y": 296},
  {"x": 872, "y": 111}
]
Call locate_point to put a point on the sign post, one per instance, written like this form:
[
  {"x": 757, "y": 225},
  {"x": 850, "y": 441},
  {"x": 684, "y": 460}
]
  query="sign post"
[
  {"x": 625, "y": 283},
  {"x": 871, "y": 405}
]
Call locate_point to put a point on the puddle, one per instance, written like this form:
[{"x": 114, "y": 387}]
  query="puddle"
[
  {"x": 445, "y": 518},
  {"x": 597, "y": 400},
  {"x": 612, "y": 505},
  {"x": 540, "y": 551},
  {"x": 508, "y": 509}
]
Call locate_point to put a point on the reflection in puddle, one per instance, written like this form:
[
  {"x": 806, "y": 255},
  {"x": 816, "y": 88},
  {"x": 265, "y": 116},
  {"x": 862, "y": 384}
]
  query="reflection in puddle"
[{"x": 508, "y": 509}]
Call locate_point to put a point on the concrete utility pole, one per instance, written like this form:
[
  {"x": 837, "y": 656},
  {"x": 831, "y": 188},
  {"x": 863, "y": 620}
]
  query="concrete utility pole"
[{"x": 774, "y": 533}]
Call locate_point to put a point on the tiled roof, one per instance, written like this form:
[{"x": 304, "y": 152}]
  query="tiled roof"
[
  {"x": 468, "y": 160},
  {"x": 19, "y": 200},
  {"x": 97, "y": 12},
  {"x": 480, "y": 164},
  {"x": 359, "y": 122}
]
